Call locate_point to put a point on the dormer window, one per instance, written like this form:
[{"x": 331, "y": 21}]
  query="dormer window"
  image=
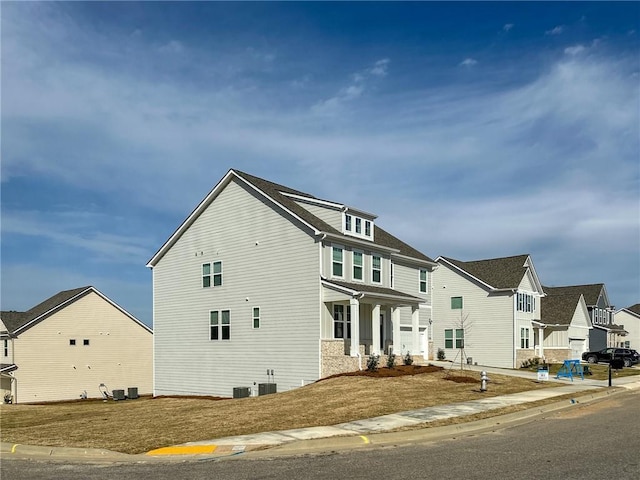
[{"x": 357, "y": 226}]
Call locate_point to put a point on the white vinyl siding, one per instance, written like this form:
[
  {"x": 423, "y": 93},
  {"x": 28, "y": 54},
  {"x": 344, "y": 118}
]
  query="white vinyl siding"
[
  {"x": 255, "y": 240},
  {"x": 119, "y": 353},
  {"x": 488, "y": 318}
]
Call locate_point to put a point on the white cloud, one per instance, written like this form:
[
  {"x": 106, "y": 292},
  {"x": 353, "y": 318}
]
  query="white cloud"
[
  {"x": 507, "y": 27},
  {"x": 574, "y": 50},
  {"x": 172, "y": 47},
  {"x": 555, "y": 30},
  {"x": 468, "y": 62},
  {"x": 380, "y": 68}
]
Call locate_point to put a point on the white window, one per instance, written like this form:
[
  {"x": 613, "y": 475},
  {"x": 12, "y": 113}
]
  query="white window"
[
  {"x": 220, "y": 325},
  {"x": 524, "y": 338},
  {"x": 357, "y": 265},
  {"x": 376, "y": 269},
  {"x": 358, "y": 225},
  {"x": 526, "y": 302},
  {"x": 341, "y": 322},
  {"x": 256, "y": 317},
  {"x": 211, "y": 274},
  {"x": 449, "y": 338},
  {"x": 5, "y": 348},
  {"x": 367, "y": 228},
  {"x": 423, "y": 280},
  {"x": 347, "y": 222},
  {"x": 337, "y": 261}
]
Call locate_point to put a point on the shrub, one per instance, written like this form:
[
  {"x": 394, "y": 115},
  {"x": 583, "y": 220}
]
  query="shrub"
[
  {"x": 391, "y": 360},
  {"x": 441, "y": 354},
  {"x": 531, "y": 362},
  {"x": 408, "y": 359},
  {"x": 372, "y": 363}
]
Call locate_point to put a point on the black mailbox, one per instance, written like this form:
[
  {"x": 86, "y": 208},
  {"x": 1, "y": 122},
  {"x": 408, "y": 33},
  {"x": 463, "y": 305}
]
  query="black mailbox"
[{"x": 616, "y": 363}]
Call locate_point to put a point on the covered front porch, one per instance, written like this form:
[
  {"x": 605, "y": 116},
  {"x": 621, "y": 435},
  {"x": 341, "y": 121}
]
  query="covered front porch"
[{"x": 364, "y": 320}]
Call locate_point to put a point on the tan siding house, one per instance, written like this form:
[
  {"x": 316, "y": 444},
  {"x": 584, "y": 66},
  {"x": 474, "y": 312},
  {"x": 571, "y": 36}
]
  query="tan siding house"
[
  {"x": 629, "y": 320},
  {"x": 263, "y": 278},
  {"x": 485, "y": 311},
  {"x": 72, "y": 343}
]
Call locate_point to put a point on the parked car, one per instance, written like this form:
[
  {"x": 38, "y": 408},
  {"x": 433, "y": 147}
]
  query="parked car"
[{"x": 627, "y": 355}]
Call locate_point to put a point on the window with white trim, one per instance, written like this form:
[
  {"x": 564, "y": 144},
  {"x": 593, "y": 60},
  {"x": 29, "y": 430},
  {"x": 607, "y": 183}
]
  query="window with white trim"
[
  {"x": 337, "y": 261},
  {"x": 526, "y": 302},
  {"x": 376, "y": 269},
  {"x": 524, "y": 338},
  {"x": 256, "y": 317},
  {"x": 347, "y": 222},
  {"x": 358, "y": 264},
  {"x": 211, "y": 274},
  {"x": 358, "y": 225},
  {"x": 219, "y": 325},
  {"x": 341, "y": 321},
  {"x": 456, "y": 303},
  {"x": 423, "y": 280},
  {"x": 367, "y": 228},
  {"x": 452, "y": 337},
  {"x": 5, "y": 347}
]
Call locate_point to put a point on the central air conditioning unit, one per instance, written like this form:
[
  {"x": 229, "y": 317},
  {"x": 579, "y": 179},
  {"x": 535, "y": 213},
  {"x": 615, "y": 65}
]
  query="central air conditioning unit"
[
  {"x": 241, "y": 392},
  {"x": 118, "y": 395},
  {"x": 132, "y": 392},
  {"x": 266, "y": 388}
]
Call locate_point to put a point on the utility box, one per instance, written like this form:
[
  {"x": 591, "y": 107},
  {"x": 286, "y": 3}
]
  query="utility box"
[
  {"x": 118, "y": 394},
  {"x": 241, "y": 392},
  {"x": 266, "y": 388},
  {"x": 132, "y": 392},
  {"x": 616, "y": 363}
]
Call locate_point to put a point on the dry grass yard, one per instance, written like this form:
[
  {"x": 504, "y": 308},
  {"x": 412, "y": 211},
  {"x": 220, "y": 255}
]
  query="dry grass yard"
[{"x": 135, "y": 426}]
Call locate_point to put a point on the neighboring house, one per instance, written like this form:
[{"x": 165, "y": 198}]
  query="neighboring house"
[
  {"x": 263, "y": 278},
  {"x": 566, "y": 325},
  {"x": 67, "y": 346},
  {"x": 629, "y": 319},
  {"x": 487, "y": 310},
  {"x": 605, "y": 332}
]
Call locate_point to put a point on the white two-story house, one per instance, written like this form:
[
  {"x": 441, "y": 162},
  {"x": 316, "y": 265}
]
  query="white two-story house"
[
  {"x": 264, "y": 283},
  {"x": 487, "y": 311}
]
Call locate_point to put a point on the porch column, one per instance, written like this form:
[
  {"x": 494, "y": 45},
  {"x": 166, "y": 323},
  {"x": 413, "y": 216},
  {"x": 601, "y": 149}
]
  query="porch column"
[
  {"x": 375, "y": 329},
  {"x": 415, "y": 330},
  {"x": 354, "y": 305},
  {"x": 395, "y": 321},
  {"x": 541, "y": 342}
]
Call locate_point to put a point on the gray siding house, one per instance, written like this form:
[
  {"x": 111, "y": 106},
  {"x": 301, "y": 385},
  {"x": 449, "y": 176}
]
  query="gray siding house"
[
  {"x": 487, "y": 311},
  {"x": 262, "y": 278},
  {"x": 605, "y": 332}
]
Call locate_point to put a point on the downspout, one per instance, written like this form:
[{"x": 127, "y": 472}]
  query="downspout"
[{"x": 358, "y": 354}]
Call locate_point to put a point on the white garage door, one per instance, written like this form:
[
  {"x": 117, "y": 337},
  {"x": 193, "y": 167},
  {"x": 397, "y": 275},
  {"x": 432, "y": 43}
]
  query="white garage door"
[{"x": 577, "y": 348}]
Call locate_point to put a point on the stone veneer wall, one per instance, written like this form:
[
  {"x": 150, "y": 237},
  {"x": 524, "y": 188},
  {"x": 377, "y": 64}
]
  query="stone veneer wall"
[
  {"x": 335, "y": 361},
  {"x": 557, "y": 355},
  {"x": 524, "y": 354}
]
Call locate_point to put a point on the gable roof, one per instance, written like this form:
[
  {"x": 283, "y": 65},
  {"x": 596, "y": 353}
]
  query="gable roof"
[
  {"x": 503, "y": 273},
  {"x": 18, "y": 322},
  {"x": 557, "y": 308},
  {"x": 634, "y": 309},
  {"x": 274, "y": 193},
  {"x": 590, "y": 292}
]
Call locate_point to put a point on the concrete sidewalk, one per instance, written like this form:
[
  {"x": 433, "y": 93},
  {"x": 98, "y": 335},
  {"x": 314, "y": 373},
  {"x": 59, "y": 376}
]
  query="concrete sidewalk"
[{"x": 367, "y": 431}]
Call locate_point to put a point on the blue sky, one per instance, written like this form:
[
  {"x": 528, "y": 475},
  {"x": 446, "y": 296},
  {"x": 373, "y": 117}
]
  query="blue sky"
[{"x": 473, "y": 130}]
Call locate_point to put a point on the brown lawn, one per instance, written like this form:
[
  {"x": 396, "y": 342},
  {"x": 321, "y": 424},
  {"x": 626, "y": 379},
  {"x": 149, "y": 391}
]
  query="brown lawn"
[{"x": 135, "y": 426}]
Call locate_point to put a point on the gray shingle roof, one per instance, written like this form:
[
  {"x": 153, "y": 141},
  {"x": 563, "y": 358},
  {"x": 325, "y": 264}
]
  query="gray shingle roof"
[
  {"x": 590, "y": 292},
  {"x": 16, "y": 320},
  {"x": 557, "y": 308},
  {"x": 499, "y": 273},
  {"x": 273, "y": 190},
  {"x": 634, "y": 308}
]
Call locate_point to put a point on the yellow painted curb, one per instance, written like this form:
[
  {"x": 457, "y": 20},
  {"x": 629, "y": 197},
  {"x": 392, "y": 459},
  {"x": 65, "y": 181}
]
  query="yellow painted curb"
[{"x": 184, "y": 450}]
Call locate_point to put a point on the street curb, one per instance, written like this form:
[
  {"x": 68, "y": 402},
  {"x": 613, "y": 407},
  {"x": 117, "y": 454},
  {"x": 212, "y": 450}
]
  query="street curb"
[{"x": 219, "y": 451}]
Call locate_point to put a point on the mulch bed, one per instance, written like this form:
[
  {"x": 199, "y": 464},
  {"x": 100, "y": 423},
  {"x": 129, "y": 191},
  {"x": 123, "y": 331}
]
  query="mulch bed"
[{"x": 385, "y": 372}]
